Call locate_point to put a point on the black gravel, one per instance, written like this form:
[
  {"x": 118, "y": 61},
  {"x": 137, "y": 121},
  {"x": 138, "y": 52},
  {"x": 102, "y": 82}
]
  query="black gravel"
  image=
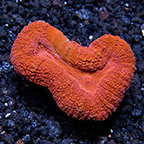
[{"x": 28, "y": 113}]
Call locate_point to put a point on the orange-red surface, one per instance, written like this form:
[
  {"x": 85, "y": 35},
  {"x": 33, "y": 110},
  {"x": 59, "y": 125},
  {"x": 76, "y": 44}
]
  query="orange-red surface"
[{"x": 86, "y": 82}]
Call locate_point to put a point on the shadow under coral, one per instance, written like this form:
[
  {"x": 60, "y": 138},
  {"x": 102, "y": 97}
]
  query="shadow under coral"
[{"x": 39, "y": 99}]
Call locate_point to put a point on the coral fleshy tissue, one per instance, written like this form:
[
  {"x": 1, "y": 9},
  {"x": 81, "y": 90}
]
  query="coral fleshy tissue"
[{"x": 86, "y": 82}]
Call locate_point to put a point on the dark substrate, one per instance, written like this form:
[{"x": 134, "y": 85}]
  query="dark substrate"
[{"x": 28, "y": 113}]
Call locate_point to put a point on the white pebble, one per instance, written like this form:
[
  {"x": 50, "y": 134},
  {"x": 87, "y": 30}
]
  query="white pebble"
[
  {"x": 90, "y": 37},
  {"x": 111, "y": 130},
  {"x": 6, "y": 104},
  {"x": 142, "y": 32},
  {"x": 14, "y": 111},
  {"x": 7, "y": 115},
  {"x": 3, "y": 132},
  {"x": 11, "y": 103},
  {"x": 6, "y": 25},
  {"x": 65, "y": 2},
  {"x": 132, "y": 23},
  {"x": 126, "y": 4}
]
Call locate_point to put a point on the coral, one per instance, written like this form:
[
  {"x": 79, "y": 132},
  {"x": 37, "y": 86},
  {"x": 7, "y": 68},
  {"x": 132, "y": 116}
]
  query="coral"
[{"x": 86, "y": 82}]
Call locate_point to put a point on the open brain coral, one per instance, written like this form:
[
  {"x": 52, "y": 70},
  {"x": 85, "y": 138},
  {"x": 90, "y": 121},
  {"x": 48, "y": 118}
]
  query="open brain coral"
[{"x": 86, "y": 82}]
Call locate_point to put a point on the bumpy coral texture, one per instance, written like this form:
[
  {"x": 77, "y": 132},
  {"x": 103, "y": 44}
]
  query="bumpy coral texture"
[{"x": 86, "y": 82}]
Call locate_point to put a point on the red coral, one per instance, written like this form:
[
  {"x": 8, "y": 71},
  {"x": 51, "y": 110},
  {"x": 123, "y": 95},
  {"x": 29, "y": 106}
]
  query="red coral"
[{"x": 86, "y": 82}]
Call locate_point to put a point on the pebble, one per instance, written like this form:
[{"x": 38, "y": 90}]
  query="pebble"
[
  {"x": 111, "y": 142},
  {"x": 10, "y": 123},
  {"x": 24, "y": 113},
  {"x": 34, "y": 123},
  {"x": 26, "y": 138},
  {"x": 3, "y": 132},
  {"x": 136, "y": 38},
  {"x": 90, "y": 37},
  {"x": 103, "y": 140},
  {"x": 139, "y": 97},
  {"x": 126, "y": 20},
  {"x": 8, "y": 138},
  {"x": 2, "y": 107},
  {"x": 142, "y": 89},
  {"x": 57, "y": 3},
  {"x": 136, "y": 112},
  {"x": 6, "y": 104},
  {"x": 126, "y": 4},
  {"x": 103, "y": 13},
  {"x": 142, "y": 29},
  {"x": 83, "y": 14},
  {"x": 136, "y": 19},
  {"x": 6, "y": 25},
  {"x": 45, "y": 3},
  {"x": 11, "y": 103},
  {"x": 18, "y": 19},
  {"x": 67, "y": 141},
  {"x": 6, "y": 66},
  {"x": 2, "y": 32},
  {"x": 55, "y": 130},
  {"x": 111, "y": 130},
  {"x": 65, "y": 2},
  {"x": 7, "y": 115}
]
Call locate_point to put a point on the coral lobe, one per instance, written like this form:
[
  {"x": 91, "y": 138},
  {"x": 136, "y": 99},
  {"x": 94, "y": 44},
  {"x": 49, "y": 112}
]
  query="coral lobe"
[{"x": 86, "y": 82}]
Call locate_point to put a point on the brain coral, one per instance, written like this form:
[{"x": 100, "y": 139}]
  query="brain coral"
[{"x": 86, "y": 82}]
